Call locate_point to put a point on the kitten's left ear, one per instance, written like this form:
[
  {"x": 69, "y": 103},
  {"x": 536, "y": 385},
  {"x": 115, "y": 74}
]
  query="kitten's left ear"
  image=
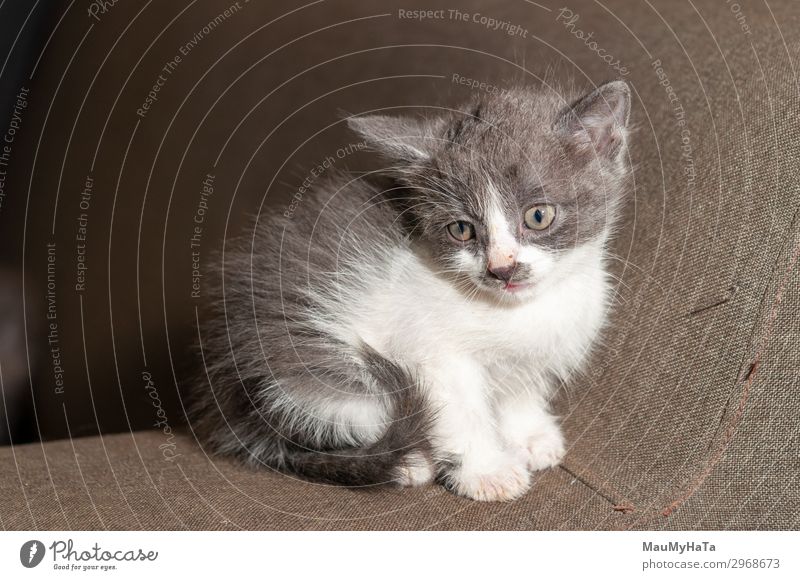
[
  {"x": 398, "y": 139},
  {"x": 597, "y": 123}
]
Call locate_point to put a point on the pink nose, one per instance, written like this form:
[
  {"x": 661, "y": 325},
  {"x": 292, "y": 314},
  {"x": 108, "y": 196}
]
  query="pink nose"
[{"x": 503, "y": 273}]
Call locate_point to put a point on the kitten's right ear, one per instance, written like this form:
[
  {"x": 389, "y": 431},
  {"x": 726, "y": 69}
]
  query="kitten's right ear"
[
  {"x": 398, "y": 139},
  {"x": 598, "y": 122}
]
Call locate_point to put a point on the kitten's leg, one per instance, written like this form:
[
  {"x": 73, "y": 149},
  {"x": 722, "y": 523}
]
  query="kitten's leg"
[
  {"x": 526, "y": 423},
  {"x": 473, "y": 458}
]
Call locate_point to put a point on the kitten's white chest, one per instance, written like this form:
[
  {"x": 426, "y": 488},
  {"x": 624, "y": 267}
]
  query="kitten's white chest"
[
  {"x": 555, "y": 329},
  {"x": 419, "y": 316}
]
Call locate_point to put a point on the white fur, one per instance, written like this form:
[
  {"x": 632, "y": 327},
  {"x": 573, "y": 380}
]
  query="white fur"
[
  {"x": 503, "y": 247},
  {"x": 487, "y": 361}
]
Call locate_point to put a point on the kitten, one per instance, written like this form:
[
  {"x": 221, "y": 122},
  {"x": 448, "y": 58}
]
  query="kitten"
[{"x": 412, "y": 325}]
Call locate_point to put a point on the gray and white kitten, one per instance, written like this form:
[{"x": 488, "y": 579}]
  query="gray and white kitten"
[{"x": 412, "y": 325}]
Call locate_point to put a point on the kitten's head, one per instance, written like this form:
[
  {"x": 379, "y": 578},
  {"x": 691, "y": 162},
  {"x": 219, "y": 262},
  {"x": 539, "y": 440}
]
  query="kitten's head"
[{"x": 514, "y": 190}]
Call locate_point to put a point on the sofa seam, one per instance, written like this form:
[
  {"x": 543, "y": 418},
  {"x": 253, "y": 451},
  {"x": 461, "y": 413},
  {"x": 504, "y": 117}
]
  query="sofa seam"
[{"x": 747, "y": 379}]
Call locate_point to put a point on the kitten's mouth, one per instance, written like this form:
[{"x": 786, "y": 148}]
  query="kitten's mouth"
[
  {"x": 516, "y": 286},
  {"x": 506, "y": 287}
]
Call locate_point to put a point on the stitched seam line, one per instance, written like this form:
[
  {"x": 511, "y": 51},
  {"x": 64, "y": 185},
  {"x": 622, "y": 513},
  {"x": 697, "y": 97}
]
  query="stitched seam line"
[{"x": 748, "y": 380}]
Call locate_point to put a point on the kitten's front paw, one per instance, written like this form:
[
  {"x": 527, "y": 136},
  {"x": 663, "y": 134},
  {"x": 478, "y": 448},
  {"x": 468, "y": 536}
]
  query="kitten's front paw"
[
  {"x": 415, "y": 470},
  {"x": 501, "y": 478},
  {"x": 545, "y": 449}
]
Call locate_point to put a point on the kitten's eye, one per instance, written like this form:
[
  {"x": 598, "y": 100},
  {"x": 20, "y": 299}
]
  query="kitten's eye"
[
  {"x": 461, "y": 231},
  {"x": 539, "y": 217}
]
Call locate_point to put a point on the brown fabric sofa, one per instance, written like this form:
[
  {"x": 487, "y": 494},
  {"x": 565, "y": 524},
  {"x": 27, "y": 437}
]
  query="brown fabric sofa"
[{"x": 687, "y": 417}]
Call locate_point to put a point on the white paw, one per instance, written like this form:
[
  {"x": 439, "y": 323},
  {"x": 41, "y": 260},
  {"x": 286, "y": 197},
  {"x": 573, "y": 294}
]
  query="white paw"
[
  {"x": 502, "y": 478},
  {"x": 415, "y": 470},
  {"x": 545, "y": 450}
]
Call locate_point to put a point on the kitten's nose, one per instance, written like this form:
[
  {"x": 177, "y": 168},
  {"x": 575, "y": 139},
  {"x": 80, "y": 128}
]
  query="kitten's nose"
[{"x": 503, "y": 273}]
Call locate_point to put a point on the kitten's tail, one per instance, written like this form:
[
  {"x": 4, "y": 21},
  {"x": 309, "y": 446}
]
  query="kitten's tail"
[{"x": 402, "y": 447}]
